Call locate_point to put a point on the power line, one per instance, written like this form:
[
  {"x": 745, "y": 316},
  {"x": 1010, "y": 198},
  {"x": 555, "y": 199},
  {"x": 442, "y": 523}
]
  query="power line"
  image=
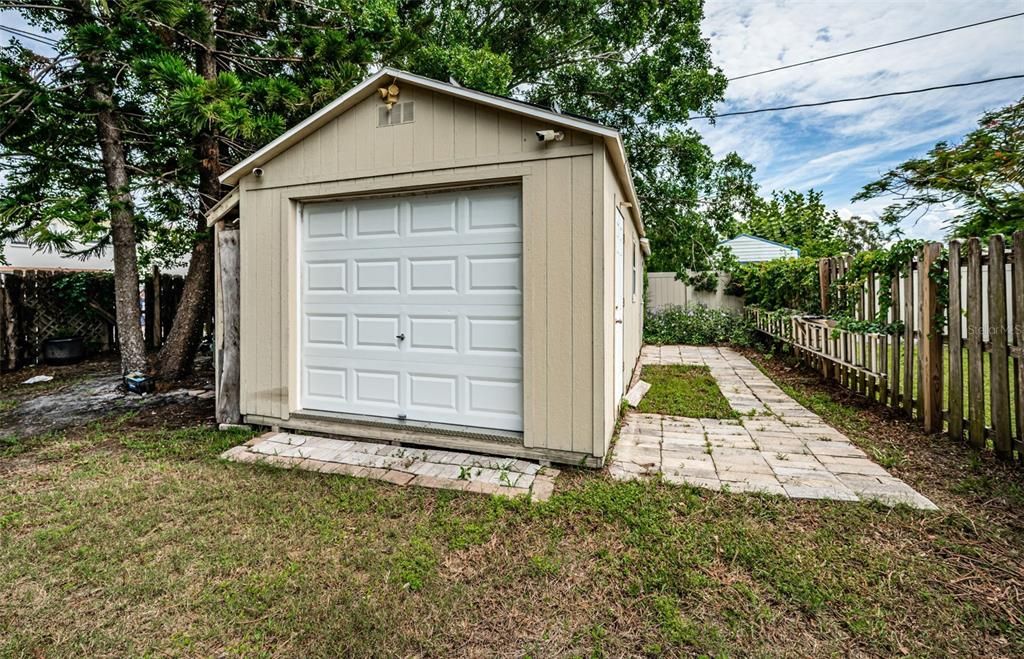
[
  {"x": 29, "y": 35},
  {"x": 859, "y": 98},
  {"x": 881, "y": 45}
]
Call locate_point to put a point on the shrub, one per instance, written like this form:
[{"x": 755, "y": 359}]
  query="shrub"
[
  {"x": 696, "y": 326},
  {"x": 780, "y": 284}
]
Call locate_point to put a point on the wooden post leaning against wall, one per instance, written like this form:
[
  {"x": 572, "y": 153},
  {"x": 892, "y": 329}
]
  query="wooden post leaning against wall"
[
  {"x": 956, "y": 343},
  {"x": 1018, "y": 336},
  {"x": 931, "y": 342},
  {"x": 228, "y": 273},
  {"x": 999, "y": 357}
]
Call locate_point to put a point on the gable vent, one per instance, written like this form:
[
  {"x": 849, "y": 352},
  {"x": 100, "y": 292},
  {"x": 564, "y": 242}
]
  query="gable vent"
[{"x": 401, "y": 113}]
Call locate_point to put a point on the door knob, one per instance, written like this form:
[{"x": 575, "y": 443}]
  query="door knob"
[{"x": 400, "y": 337}]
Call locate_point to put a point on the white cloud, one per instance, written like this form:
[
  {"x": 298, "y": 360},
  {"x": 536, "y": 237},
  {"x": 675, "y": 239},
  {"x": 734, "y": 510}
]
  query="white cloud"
[{"x": 843, "y": 146}]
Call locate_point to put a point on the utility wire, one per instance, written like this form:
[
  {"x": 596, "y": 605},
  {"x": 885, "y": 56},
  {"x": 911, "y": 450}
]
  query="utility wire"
[
  {"x": 858, "y": 98},
  {"x": 881, "y": 45},
  {"x": 29, "y": 35}
]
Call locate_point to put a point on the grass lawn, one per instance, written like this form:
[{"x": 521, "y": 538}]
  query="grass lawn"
[
  {"x": 684, "y": 391},
  {"x": 129, "y": 538}
]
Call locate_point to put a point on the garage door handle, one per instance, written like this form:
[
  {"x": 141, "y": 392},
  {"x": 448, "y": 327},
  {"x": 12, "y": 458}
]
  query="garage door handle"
[
  {"x": 400, "y": 337},
  {"x": 618, "y": 322}
]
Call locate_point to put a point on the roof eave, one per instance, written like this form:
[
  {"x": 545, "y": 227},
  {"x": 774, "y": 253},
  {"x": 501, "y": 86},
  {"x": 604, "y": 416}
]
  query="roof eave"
[{"x": 298, "y": 132}]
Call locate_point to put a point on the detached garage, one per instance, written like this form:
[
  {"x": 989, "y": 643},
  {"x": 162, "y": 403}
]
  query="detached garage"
[{"x": 423, "y": 263}]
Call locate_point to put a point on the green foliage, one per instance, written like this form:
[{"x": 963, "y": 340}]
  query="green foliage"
[
  {"x": 982, "y": 178},
  {"x": 885, "y": 265},
  {"x": 695, "y": 326},
  {"x": 79, "y": 289},
  {"x": 804, "y": 222},
  {"x": 638, "y": 65},
  {"x": 780, "y": 284}
]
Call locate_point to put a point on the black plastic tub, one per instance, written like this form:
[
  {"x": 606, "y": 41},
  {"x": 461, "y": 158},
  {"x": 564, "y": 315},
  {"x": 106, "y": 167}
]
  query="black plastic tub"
[{"x": 70, "y": 350}]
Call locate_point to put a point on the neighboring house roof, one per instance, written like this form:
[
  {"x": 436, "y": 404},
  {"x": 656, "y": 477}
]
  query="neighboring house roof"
[
  {"x": 773, "y": 250},
  {"x": 368, "y": 87}
]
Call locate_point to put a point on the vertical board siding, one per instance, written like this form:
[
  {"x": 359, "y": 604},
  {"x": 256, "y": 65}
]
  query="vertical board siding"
[
  {"x": 581, "y": 270},
  {"x": 535, "y": 205},
  {"x": 559, "y": 303},
  {"x": 567, "y": 287},
  {"x": 445, "y": 131}
]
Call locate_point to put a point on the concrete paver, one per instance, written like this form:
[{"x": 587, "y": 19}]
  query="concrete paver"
[
  {"x": 402, "y": 466},
  {"x": 777, "y": 446}
]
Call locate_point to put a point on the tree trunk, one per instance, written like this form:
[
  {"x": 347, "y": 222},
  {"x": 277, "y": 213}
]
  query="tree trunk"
[
  {"x": 122, "y": 231},
  {"x": 178, "y": 354}
]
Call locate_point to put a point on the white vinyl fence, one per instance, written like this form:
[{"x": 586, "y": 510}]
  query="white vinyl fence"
[{"x": 664, "y": 289}]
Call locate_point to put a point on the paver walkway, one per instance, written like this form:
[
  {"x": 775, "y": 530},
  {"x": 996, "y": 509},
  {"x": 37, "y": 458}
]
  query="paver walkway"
[
  {"x": 777, "y": 447},
  {"x": 400, "y": 465}
]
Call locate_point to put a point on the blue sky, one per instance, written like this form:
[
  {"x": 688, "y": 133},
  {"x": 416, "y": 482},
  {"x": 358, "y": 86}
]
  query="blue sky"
[{"x": 839, "y": 148}]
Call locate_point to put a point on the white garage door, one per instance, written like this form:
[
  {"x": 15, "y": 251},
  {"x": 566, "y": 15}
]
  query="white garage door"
[{"x": 412, "y": 307}]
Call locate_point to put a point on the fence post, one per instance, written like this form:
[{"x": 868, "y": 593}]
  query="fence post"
[
  {"x": 999, "y": 358},
  {"x": 931, "y": 341},
  {"x": 975, "y": 356},
  {"x": 956, "y": 350},
  {"x": 1018, "y": 336},
  {"x": 157, "y": 326},
  {"x": 824, "y": 283}
]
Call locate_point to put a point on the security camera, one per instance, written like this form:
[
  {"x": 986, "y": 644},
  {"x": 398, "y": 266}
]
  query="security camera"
[
  {"x": 257, "y": 171},
  {"x": 550, "y": 136}
]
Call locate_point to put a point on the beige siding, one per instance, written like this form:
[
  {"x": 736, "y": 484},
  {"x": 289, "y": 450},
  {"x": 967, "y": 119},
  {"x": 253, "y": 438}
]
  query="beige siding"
[
  {"x": 445, "y": 132},
  {"x": 633, "y": 312},
  {"x": 569, "y": 191}
]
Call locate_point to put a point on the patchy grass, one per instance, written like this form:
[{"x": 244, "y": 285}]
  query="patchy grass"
[
  {"x": 133, "y": 538},
  {"x": 684, "y": 391}
]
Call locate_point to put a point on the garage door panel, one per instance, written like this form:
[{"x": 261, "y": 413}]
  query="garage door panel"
[
  {"x": 432, "y": 391},
  {"x": 493, "y": 211},
  {"x": 489, "y": 273},
  {"x": 436, "y": 274},
  {"x": 324, "y": 385},
  {"x": 494, "y": 334},
  {"x": 413, "y": 307},
  {"x": 326, "y": 275},
  {"x": 324, "y": 221},
  {"x": 328, "y": 329},
  {"x": 376, "y": 276},
  {"x": 375, "y": 386},
  {"x": 376, "y": 332},
  {"x": 376, "y": 219},
  {"x": 493, "y": 395},
  {"x": 434, "y": 217},
  {"x": 432, "y": 333}
]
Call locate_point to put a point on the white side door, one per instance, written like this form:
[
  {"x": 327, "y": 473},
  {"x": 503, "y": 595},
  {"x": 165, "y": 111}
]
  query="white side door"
[{"x": 620, "y": 302}]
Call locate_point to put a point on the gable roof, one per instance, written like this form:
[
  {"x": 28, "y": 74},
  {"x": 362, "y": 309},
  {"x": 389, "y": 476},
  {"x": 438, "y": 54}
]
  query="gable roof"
[
  {"x": 760, "y": 239},
  {"x": 368, "y": 87}
]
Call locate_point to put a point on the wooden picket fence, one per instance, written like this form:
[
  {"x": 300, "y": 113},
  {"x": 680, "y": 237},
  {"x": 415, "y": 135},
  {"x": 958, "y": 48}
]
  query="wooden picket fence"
[{"x": 956, "y": 367}]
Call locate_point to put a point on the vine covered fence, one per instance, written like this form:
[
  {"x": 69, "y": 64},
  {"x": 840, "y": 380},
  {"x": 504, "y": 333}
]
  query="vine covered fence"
[{"x": 937, "y": 336}]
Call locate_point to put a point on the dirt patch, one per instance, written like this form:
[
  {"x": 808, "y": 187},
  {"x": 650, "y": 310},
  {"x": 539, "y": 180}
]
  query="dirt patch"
[{"x": 87, "y": 392}]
